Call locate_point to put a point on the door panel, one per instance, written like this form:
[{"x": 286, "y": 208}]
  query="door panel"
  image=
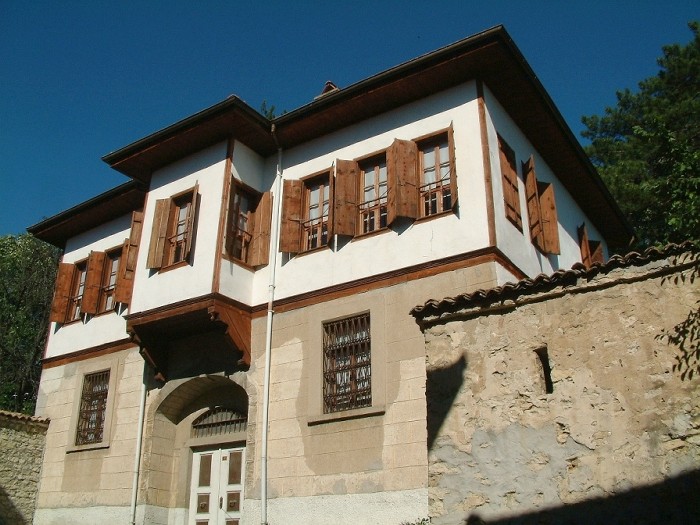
[{"x": 216, "y": 494}]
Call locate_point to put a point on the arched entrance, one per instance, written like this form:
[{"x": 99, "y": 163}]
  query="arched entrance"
[{"x": 195, "y": 463}]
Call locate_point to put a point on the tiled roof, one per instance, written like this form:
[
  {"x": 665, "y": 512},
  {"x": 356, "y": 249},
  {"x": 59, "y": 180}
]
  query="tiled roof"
[
  {"x": 544, "y": 282},
  {"x": 23, "y": 417}
]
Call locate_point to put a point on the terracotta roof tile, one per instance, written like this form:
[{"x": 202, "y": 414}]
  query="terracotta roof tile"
[{"x": 544, "y": 282}]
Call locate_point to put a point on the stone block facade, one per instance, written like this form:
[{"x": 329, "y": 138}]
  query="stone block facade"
[
  {"x": 568, "y": 399},
  {"x": 22, "y": 449}
]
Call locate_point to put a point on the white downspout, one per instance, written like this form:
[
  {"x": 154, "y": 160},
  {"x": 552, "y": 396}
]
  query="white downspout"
[
  {"x": 274, "y": 242},
  {"x": 139, "y": 443}
]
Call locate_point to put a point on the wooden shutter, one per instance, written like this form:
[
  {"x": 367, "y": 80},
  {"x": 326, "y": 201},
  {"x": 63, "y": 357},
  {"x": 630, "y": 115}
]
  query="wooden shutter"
[
  {"x": 259, "y": 249},
  {"x": 402, "y": 180},
  {"x": 232, "y": 218},
  {"x": 345, "y": 211},
  {"x": 510, "y": 183},
  {"x": 550, "y": 222},
  {"x": 532, "y": 199},
  {"x": 290, "y": 234},
  {"x": 585, "y": 246},
  {"x": 127, "y": 262},
  {"x": 191, "y": 218},
  {"x": 61, "y": 294},
  {"x": 596, "y": 250},
  {"x": 453, "y": 170},
  {"x": 156, "y": 248},
  {"x": 93, "y": 282}
]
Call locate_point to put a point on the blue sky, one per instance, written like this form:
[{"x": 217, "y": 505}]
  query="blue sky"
[{"x": 81, "y": 79}]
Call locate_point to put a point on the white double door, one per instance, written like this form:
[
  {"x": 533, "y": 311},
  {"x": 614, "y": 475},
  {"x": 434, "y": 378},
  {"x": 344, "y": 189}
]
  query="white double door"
[{"x": 216, "y": 495}]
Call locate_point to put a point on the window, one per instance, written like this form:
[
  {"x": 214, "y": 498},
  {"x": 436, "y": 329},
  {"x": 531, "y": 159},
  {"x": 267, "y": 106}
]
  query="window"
[
  {"x": 316, "y": 212},
  {"x": 436, "y": 172},
  {"x": 307, "y": 214},
  {"x": 77, "y": 290},
  {"x": 173, "y": 230},
  {"x": 107, "y": 300},
  {"x": 511, "y": 196},
  {"x": 591, "y": 251},
  {"x": 248, "y": 226},
  {"x": 217, "y": 421},
  {"x": 93, "y": 408},
  {"x": 374, "y": 194},
  {"x": 541, "y": 210},
  {"x": 347, "y": 381}
]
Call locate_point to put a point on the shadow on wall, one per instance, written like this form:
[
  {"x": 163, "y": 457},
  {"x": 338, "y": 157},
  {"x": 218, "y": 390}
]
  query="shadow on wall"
[
  {"x": 441, "y": 389},
  {"x": 672, "y": 502},
  {"x": 686, "y": 334},
  {"x": 9, "y": 514}
]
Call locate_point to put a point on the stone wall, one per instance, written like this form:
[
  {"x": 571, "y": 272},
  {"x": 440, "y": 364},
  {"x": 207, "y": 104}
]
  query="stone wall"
[
  {"x": 575, "y": 399},
  {"x": 21, "y": 449}
]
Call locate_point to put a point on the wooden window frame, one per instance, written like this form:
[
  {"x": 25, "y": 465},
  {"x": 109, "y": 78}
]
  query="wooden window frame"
[
  {"x": 509, "y": 177},
  {"x": 375, "y": 210},
  {"x": 112, "y": 265},
  {"x": 347, "y": 364},
  {"x": 74, "y": 310},
  {"x": 238, "y": 239},
  {"x": 541, "y": 210},
  {"x": 435, "y": 191},
  {"x": 170, "y": 248},
  {"x": 317, "y": 232}
]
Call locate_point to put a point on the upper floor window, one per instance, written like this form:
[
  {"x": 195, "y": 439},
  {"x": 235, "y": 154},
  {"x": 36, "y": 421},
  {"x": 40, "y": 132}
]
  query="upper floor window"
[
  {"x": 173, "y": 230},
  {"x": 248, "y": 224},
  {"x": 541, "y": 210},
  {"x": 374, "y": 194},
  {"x": 77, "y": 290},
  {"x": 436, "y": 175},
  {"x": 316, "y": 212},
  {"x": 509, "y": 172},
  {"x": 107, "y": 300}
]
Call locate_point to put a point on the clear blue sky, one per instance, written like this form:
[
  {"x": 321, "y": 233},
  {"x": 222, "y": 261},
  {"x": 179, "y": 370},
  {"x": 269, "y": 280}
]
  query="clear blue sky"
[{"x": 81, "y": 79}]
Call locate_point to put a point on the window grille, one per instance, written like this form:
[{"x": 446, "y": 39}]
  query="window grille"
[
  {"x": 93, "y": 407},
  {"x": 217, "y": 421},
  {"x": 347, "y": 367}
]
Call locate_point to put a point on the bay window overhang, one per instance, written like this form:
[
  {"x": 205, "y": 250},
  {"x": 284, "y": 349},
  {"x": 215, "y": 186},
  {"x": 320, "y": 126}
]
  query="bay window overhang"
[{"x": 204, "y": 335}]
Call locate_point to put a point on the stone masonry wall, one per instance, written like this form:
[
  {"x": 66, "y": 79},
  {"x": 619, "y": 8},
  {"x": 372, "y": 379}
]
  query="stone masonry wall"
[
  {"x": 21, "y": 449},
  {"x": 610, "y": 433}
]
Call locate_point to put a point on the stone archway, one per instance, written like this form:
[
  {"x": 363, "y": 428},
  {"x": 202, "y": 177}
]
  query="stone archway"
[{"x": 169, "y": 440}]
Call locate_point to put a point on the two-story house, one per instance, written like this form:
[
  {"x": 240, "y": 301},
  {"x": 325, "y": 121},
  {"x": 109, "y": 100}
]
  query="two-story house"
[{"x": 231, "y": 339}]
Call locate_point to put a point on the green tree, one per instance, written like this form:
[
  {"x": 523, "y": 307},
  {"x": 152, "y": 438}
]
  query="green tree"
[
  {"x": 27, "y": 274},
  {"x": 646, "y": 148}
]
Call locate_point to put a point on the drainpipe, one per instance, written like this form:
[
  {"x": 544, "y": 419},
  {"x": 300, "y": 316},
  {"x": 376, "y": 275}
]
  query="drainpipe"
[
  {"x": 139, "y": 443},
  {"x": 274, "y": 242}
]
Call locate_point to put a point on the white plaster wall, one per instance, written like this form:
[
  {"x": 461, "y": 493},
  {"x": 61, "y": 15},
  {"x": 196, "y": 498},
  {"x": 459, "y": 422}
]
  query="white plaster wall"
[
  {"x": 409, "y": 243},
  {"x": 153, "y": 288},
  {"x": 103, "y": 328},
  {"x": 516, "y": 244}
]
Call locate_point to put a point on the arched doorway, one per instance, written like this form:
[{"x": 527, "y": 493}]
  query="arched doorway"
[{"x": 196, "y": 464}]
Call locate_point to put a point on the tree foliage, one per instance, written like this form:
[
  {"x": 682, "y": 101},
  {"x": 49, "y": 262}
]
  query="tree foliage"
[
  {"x": 647, "y": 148},
  {"x": 27, "y": 274}
]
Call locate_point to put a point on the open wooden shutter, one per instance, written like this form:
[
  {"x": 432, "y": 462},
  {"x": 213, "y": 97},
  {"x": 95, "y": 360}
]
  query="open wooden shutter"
[
  {"x": 259, "y": 250},
  {"x": 510, "y": 183},
  {"x": 127, "y": 262},
  {"x": 290, "y": 234},
  {"x": 93, "y": 282},
  {"x": 345, "y": 211},
  {"x": 402, "y": 180},
  {"x": 191, "y": 218},
  {"x": 596, "y": 249},
  {"x": 550, "y": 222},
  {"x": 453, "y": 170},
  {"x": 533, "y": 204},
  {"x": 585, "y": 245},
  {"x": 156, "y": 248},
  {"x": 61, "y": 294}
]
